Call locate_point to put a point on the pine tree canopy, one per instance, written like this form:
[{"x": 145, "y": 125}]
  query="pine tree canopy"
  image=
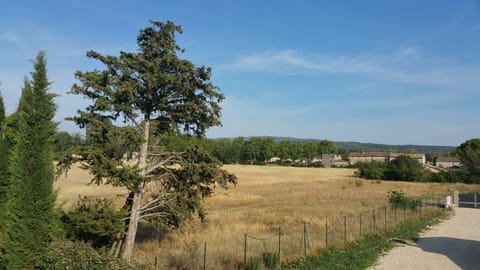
[{"x": 137, "y": 98}]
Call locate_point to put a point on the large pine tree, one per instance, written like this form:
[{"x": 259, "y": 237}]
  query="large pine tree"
[
  {"x": 30, "y": 217},
  {"x": 155, "y": 92}
]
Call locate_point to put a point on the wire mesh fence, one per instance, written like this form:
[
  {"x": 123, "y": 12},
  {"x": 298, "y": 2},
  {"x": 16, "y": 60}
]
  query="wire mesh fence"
[{"x": 301, "y": 239}]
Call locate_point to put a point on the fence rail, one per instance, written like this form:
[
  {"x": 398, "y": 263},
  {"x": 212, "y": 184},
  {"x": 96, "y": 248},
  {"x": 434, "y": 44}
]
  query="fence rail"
[{"x": 305, "y": 238}]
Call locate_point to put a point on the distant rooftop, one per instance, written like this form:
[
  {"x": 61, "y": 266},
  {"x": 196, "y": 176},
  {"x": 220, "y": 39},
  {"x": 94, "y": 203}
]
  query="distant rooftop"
[
  {"x": 383, "y": 154},
  {"x": 448, "y": 159}
]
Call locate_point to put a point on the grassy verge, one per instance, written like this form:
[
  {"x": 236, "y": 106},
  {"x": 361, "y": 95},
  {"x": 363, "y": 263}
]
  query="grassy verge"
[{"x": 363, "y": 253}]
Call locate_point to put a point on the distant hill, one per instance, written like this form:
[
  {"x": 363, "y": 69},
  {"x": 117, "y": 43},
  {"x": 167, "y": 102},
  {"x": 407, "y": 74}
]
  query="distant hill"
[
  {"x": 358, "y": 146},
  {"x": 427, "y": 149}
]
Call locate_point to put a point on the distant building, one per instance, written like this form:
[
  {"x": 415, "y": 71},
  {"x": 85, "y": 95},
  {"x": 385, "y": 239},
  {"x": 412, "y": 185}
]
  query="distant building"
[
  {"x": 329, "y": 159},
  {"x": 448, "y": 162},
  {"x": 356, "y": 157},
  {"x": 386, "y": 157},
  {"x": 341, "y": 163},
  {"x": 419, "y": 157},
  {"x": 274, "y": 159}
]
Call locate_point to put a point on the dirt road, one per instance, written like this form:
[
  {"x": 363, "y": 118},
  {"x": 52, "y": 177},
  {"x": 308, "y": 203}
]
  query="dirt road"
[{"x": 452, "y": 244}]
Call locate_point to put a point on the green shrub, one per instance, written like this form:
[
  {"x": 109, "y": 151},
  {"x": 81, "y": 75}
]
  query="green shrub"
[
  {"x": 66, "y": 254},
  {"x": 95, "y": 221},
  {"x": 405, "y": 168},
  {"x": 455, "y": 176},
  {"x": 371, "y": 170},
  {"x": 397, "y": 199},
  {"x": 271, "y": 259},
  {"x": 253, "y": 263}
]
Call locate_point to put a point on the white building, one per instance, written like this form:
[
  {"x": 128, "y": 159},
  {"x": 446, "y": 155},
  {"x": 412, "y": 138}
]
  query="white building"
[{"x": 448, "y": 162}]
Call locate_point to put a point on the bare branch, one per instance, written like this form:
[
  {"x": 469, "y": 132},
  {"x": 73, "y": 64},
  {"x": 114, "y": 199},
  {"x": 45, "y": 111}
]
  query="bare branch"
[
  {"x": 163, "y": 214},
  {"x": 159, "y": 202},
  {"x": 164, "y": 159}
]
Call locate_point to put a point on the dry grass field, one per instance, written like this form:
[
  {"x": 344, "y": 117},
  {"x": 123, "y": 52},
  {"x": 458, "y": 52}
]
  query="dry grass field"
[
  {"x": 76, "y": 183},
  {"x": 266, "y": 198}
]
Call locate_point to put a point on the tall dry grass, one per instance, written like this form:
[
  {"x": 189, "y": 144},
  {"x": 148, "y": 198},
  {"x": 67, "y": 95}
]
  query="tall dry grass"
[
  {"x": 265, "y": 199},
  {"x": 77, "y": 183}
]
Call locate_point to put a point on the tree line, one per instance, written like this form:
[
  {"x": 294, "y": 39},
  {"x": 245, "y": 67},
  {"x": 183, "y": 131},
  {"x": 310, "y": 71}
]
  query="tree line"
[
  {"x": 405, "y": 168},
  {"x": 239, "y": 150}
]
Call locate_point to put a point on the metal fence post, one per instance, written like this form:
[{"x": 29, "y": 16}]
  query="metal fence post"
[
  {"x": 385, "y": 216},
  {"x": 279, "y": 243},
  {"x": 305, "y": 239},
  {"x": 205, "y": 256},
  {"x": 345, "y": 229},
  {"x": 360, "y": 224},
  {"x": 245, "y": 252},
  {"x": 374, "y": 221},
  {"x": 326, "y": 233}
]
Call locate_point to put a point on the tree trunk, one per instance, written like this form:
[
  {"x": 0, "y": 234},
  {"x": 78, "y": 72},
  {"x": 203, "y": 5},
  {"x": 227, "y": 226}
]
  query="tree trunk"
[
  {"x": 132, "y": 224},
  {"x": 137, "y": 196},
  {"x": 119, "y": 240}
]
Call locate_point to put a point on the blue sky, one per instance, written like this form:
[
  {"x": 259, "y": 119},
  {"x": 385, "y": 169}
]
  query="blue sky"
[{"x": 396, "y": 72}]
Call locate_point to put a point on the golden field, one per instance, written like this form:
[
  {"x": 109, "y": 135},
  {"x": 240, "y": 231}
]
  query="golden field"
[{"x": 266, "y": 198}]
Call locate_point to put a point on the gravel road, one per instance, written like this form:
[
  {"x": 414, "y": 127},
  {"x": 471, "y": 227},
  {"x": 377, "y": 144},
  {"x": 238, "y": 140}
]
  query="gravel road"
[{"x": 452, "y": 244}]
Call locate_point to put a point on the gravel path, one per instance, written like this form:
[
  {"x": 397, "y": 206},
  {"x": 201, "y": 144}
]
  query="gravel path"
[{"x": 452, "y": 244}]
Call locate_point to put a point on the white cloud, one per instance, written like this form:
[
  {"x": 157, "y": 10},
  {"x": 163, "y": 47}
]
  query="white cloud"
[
  {"x": 406, "y": 52},
  {"x": 382, "y": 67},
  {"x": 13, "y": 39},
  {"x": 290, "y": 59}
]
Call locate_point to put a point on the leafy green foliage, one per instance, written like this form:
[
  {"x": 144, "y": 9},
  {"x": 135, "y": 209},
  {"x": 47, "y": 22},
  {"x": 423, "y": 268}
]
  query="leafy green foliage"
[
  {"x": 65, "y": 141},
  {"x": 397, "y": 199},
  {"x": 161, "y": 86},
  {"x": 455, "y": 176},
  {"x": 405, "y": 168},
  {"x": 469, "y": 154},
  {"x": 94, "y": 221},
  {"x": 64, "y": 254},
  {"x": 30, "y": 218},
  {"x": 255, "y": 150},
  {"x": 371, "y": 170}
]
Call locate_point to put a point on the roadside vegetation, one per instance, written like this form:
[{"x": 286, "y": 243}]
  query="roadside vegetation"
[{"x": 364, "y": 253}]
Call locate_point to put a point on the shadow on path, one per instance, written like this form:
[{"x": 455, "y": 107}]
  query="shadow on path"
[{"x": 464, "y": 253}]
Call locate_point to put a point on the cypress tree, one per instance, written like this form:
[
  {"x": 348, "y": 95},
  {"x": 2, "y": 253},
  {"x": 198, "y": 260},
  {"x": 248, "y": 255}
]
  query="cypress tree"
[
  {"x": 3, "y": 154},
  {"x": 3, "y": 165},
  {"x": 30, "y": 216}
]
